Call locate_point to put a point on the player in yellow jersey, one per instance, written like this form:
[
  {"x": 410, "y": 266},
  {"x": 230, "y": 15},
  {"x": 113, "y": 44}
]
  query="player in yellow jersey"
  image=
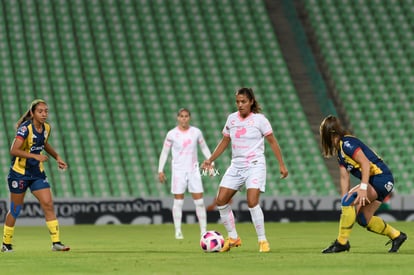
[
  {"x": 27, "y": 171},
  {"x": 359, "y": 203}
]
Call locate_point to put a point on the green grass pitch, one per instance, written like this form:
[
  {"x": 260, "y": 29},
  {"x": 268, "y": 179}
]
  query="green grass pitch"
[{"x": 152, "y": 249}]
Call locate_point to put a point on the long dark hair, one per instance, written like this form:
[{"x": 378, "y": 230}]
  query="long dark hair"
[
  {"x": 329, "y": 129},
  {"x": 248, "y": 92},
  {"x": 28, "y": 115}
]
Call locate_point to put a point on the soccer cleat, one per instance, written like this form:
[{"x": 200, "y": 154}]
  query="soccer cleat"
[
  {"x": 229, "y": 243},
  {"x": 60, "y": 247},
  {"x": 336, "y": 247},
  {"x": 397, "y": 242},
  {"x": 264, "y": 246},
  {"x": 179, "y": 235},
  {"x": 6, "y": 248}
]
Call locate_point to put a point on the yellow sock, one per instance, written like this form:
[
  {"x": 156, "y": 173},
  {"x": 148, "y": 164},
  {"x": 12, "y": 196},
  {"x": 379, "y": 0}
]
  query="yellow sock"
[
  {"x": 346, "y": 222},
  {"x": 53, "y": 230},
  {"x": 379, "y": 226},
  {"x": 8, "y": 233}
]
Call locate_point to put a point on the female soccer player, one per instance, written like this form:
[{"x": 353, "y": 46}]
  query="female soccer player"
[
  {"x": 27, "y": 171},
  {"x": 246, "y": 129},
  {"x": 359, "y": 203},
  {"x": 184, "y": 140}
]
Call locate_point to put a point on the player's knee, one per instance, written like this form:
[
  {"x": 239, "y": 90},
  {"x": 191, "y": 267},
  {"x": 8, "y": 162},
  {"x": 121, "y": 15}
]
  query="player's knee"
[
  {"x": 15, "y": 209},
  {"x": 47, "y": 206},
  {"x": 348, "y": 199},
  {"x": 362, "y": 220},
  {"x": 178, "y": 203},
  {"x": 221, "y": 201},
  {"x": 199, "y": 202}
]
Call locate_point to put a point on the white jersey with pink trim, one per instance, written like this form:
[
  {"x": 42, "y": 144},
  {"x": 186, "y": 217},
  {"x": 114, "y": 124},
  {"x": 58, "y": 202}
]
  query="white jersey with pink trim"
[
  {"x": 247, "y": 138},
  {"x": 183, "y": 146}
]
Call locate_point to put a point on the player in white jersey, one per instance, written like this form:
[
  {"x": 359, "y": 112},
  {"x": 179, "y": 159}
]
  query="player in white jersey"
[
  {"x": 183, "y": 142},
  {"x": 246, "y": 130}
]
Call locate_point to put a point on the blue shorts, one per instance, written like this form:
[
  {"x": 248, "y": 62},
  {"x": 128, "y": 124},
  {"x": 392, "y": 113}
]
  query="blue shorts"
[
  {"x": 18, "y": 183},
  {"x": 383, "y": 184}
]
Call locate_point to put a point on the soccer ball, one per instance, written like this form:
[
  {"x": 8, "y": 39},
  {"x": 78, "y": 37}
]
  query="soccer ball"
[{"x": 211, "y": 241}]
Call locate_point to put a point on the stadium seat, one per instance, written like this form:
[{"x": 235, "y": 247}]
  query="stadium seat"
[
  {"x": 117, "y": 72},
  {"x": 370, "y": 76}
]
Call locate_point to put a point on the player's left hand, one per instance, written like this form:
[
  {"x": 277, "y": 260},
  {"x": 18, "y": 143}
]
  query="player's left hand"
[
  {"x": 362, "y": 198},
  {"x": 61, "y": 164},
  {"x": 283, "y": 172}
]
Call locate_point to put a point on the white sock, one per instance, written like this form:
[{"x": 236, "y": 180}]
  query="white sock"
[
  {"x": 177, "y": 213},
  {"x": 258, "y": 221},
  {"x": 227, "y": 217},
  {"x": 201, "y": 214}
]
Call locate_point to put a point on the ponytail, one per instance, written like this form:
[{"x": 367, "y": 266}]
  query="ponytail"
[{"x": 28, "y": 115}]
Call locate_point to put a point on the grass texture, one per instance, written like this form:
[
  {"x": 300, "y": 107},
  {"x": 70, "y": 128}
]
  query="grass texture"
[{"x": 152, "y": 249}]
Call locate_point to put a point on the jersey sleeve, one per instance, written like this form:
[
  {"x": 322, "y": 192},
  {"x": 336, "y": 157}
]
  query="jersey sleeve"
[
  {"x": 351, "y": 146},
  {"x": 164, "y": 152},
  {"x": 203, "y": 145},
  {"x": 226, "y": 129},
  {"x": 22, "y": 132},
  {"x": 265, "y": 126}
]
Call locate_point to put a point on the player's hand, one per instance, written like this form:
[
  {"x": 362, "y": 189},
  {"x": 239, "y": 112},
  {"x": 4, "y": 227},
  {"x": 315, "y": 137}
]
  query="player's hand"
[
  {"x": 61, "y": 164},
  {"x": 161, "y": 177},
  {"x": 362, "y": 198},
  {"x": 207, "y": 165},
  {"x": 41, "y": 158},
  {"x": 283, "y": 171}
]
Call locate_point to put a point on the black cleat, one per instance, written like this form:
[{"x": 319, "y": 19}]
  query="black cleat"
[
  {"x": 397, "y": 242},
  {"x": 336, "y": 247},
  {"x": 6, "y": 248}
]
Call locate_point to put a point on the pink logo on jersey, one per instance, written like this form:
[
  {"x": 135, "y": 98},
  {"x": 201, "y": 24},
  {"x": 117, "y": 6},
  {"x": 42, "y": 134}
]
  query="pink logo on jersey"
[
  {"x": 240, "y": 132},
  {"x": 186, "y": 142}
]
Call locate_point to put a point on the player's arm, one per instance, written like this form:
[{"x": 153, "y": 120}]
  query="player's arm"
[
  {"x": 278, "y": 154},
  {"x": 344, "y": 180},
  {"x": 204, "y": 149},
  {"x": 364, "y": 162},
  {"x": 161, "y": 163},
  {"x": 221, "y": 146},
  {"x": 16, "y": 151},
  {"x": 51, "y": 151}
]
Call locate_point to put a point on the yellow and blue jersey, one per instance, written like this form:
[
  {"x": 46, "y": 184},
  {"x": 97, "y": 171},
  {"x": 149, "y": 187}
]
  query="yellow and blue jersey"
[
  {"x": 349, "y": 146},
  {"x": 34, "y": 143}
]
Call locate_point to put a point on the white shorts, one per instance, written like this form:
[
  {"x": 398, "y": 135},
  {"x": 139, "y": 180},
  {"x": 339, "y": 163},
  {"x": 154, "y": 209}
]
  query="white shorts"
[
  {"x": 252, "y": 177},
  {"x": 182, "y": 180}
]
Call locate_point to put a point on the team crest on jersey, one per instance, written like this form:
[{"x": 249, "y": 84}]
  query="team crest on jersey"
[
  {"x": 22, "y": 130},
  {"x": 389, "y": 186},
  {"x": 347, "y": 144},
  {"x": 14, "y": 184},
  {"x": 349, "y": 167}
]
